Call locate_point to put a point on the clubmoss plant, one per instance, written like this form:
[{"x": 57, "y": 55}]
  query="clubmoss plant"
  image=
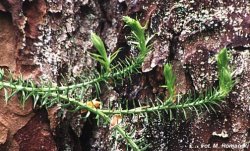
[{"x": 47, "y": 95}]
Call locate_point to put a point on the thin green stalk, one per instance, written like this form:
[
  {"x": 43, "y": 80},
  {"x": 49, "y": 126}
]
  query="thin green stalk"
[
  {"x": 217, "y": 96},
  {"x": 196, "y": 103},
  {"x": 104, "y": 77},
  {"x": 138, "y": 34}
]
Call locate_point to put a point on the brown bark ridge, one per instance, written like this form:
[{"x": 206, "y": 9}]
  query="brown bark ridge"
[{"x": 51, "y": 38}]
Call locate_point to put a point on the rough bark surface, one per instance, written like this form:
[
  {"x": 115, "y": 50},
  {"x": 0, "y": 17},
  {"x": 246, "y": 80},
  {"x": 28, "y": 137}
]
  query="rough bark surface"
[{"x": 51, "y": 39}]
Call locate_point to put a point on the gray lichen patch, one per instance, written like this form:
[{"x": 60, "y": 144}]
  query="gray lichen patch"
[
  {"x": 241, "y": 93},
  {"x": 202, "y": 72},
  {"x": 188, "y": 34},
  {"x": 65, "y": 39},
  {"x": 157, "y": 56}
]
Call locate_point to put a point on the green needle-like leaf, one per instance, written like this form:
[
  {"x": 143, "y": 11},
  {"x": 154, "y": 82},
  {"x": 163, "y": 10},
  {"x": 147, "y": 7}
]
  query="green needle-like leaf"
[{"x": 114, "y": 55}]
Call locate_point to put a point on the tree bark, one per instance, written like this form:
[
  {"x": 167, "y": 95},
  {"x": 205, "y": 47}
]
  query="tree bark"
[{"x": 51, "y": 39}]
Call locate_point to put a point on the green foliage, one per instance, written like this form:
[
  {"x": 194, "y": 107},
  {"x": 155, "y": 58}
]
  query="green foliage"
[
  {"x": 225, "y": 74},
  {"x": 46, "y": 94},
  {"x": 102, "y": 57},
  {"x": 169, "y": 80},
  {"x": 138, "y": 34}
]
